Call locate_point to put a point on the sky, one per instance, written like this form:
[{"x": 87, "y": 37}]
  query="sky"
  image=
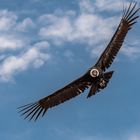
[{"x": 44, "y": 45}]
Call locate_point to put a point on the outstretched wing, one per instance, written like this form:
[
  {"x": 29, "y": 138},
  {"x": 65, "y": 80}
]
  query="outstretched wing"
[
  {"x": 128, "y": 19},
  {"x": 40, "y": 107}
]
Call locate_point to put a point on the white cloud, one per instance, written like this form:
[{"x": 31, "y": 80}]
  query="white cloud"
[
  {"x": 7, "y": 20},
  {"x": 86, "y": 27},
  {"x": 57, "y": 30},
  {"x": 13, "y": 37},
  {"x": 76, "y": 135},
  {"x": 25, "y": 25},
  {"x": 89, "y": 26},
  {"x": 10, "y": 39},
  {"x": 131, "y": 50},
  {"x": 102, "y": 5},
  {"x": 92, "y": 28},
  {"x": 10, "y": 43},
  {"x": 110, "y": 5},
  {"x": 131, "y": 136},
  {"x": 11, "y": 65},
  {"x": 42, "y": 44},
  {"x": 134, "y": 137},
  {"x": 87, "y": 6}
]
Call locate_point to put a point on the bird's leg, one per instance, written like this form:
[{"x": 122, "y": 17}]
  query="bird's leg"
[{"x": 102, "y": 83}]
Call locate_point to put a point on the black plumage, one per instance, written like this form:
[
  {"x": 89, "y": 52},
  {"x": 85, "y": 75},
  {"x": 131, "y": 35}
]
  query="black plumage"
[{"x": 95, "y": 78}]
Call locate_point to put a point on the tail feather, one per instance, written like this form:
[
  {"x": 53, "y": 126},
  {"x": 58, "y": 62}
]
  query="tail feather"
[
  {"x": 108, "y": 75},
  {"x": 93, "y": 90}
]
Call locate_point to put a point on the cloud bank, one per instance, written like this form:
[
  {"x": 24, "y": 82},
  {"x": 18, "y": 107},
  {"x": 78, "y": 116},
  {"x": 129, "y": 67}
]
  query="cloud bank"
[
  {"x": 18, "y": 53},
  {"x": 91, "y": 25}
]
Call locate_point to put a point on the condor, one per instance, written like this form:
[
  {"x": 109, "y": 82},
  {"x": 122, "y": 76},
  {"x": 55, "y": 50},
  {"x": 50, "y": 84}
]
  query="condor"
[{"x": 96, "y": 78}]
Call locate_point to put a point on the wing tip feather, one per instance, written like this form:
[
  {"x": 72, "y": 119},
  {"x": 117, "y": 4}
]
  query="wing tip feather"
[
  {"x": 130, "y": 11},
  {"x": 32, "y": 111}
]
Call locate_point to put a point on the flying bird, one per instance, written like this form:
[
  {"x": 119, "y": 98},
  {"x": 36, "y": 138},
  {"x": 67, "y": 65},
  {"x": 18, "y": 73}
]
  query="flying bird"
[{"x": 96, "y": 78}]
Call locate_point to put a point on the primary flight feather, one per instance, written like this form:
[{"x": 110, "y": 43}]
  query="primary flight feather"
[{"x": 95, "y": 78}]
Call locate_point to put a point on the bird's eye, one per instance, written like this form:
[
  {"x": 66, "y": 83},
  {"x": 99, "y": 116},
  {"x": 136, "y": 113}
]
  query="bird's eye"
[{"x": 94, "y": 73}]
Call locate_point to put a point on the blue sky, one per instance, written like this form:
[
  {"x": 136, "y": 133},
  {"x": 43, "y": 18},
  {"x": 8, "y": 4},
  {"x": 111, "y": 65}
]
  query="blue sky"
[{"x": 45, "y": 44}]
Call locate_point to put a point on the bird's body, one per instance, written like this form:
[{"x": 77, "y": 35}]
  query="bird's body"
[{"x": 96, "y": 78}]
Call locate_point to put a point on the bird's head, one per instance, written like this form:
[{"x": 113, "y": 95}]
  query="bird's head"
[{"x": 94, "y": 72}]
